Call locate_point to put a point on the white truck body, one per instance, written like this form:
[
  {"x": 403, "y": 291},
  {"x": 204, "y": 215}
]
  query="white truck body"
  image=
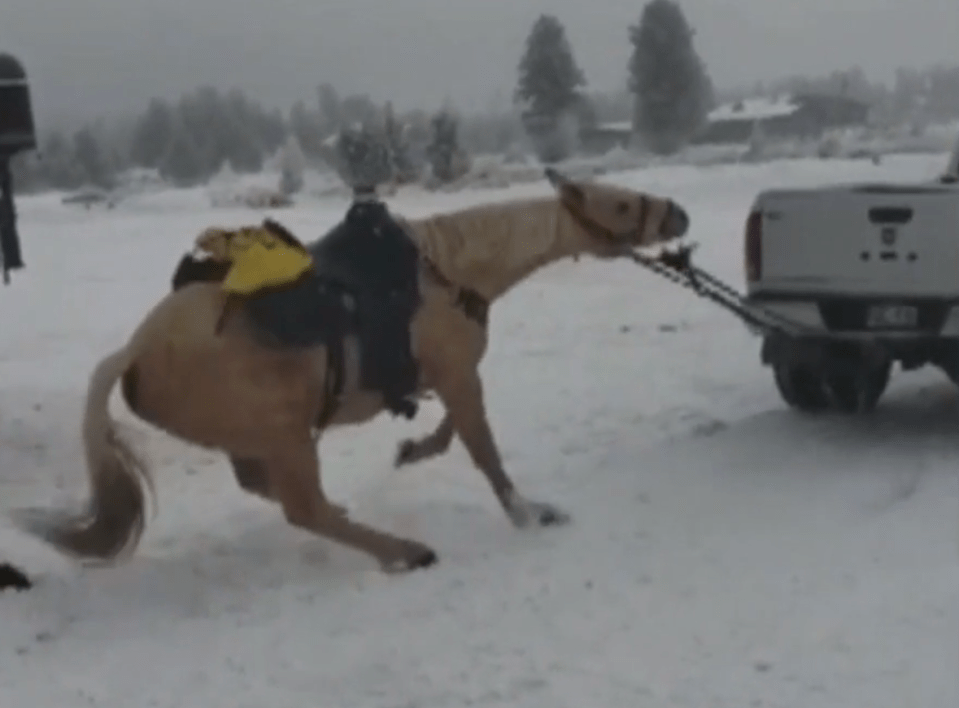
[
  {"x": 865, "y": 275},
  {"x": 892, "y": 247}
]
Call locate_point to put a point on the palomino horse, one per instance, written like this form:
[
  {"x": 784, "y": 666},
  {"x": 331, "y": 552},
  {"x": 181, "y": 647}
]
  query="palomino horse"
[{"x": 224, "y": 389}]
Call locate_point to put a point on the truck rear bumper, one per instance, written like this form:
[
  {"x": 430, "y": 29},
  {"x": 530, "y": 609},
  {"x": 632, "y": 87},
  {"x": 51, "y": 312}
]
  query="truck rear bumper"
[{"x": 846, "y": 318}]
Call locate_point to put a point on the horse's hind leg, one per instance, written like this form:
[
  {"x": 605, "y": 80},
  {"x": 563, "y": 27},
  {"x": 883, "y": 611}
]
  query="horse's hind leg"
[
  {"x": 294, "y": 474},
  {"x": 253, "y": 477},
  {"x": 463, "y": 397},
  {"x": 436, "y": 443}
]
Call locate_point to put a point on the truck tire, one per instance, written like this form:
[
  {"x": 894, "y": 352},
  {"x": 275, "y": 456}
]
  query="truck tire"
[
  {"x": 844, "y": 389},
  {"x": 801, "y": 386}
]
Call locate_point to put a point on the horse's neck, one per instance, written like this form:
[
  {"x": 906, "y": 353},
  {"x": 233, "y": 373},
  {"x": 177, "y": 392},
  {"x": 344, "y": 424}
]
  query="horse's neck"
[{"x": 492, "y": 248}]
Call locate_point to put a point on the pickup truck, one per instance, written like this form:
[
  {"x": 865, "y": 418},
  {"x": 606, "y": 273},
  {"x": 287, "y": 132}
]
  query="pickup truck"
[{"x": 866, "y": 275}]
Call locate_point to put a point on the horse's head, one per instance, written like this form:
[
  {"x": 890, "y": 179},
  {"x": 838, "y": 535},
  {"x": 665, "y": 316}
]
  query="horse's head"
[{"x": 617, "y": 220}]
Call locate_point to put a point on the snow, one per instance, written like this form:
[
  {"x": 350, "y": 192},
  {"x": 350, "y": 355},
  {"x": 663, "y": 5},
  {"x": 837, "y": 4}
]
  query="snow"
[
  {"x": 724, "y": 551},
  {"x": 754, "y": 109}
]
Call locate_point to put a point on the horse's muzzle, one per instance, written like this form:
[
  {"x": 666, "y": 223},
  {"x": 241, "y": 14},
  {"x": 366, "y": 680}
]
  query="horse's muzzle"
[{"x": 677, "y": 221}]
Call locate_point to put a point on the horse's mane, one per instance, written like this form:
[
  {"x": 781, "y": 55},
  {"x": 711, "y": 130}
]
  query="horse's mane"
[{"x": 499, "y": 234}]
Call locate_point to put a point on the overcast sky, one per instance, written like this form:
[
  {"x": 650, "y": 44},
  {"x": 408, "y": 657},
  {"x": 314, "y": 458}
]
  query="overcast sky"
[{"x": 90, "y": 57}]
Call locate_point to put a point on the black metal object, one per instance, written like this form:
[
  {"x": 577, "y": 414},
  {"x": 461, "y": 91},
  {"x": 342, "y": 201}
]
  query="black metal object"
[{"x": 17, "y": 134}]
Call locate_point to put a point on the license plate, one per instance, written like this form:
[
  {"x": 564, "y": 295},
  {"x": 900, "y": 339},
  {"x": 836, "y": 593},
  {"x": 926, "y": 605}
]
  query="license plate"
[{"x": 895, "y": 316}]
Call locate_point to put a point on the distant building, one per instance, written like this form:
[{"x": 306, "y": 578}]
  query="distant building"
[
  {"x": 791, "y": 116},
  {"x": 794, "y": 116},
  {"x": 602, "y": 137}
]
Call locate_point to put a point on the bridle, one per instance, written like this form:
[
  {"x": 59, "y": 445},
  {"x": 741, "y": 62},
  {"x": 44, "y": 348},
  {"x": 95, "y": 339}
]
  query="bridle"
[{"x": 624, "y": 241}]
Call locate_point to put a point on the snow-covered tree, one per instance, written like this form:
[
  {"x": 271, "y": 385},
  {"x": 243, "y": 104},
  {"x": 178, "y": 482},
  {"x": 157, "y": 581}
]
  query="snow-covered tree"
[
  {"x": 549, "y": 77},
  {"x": 672, "y": 90},
  {"x": 292, "y": 166}
]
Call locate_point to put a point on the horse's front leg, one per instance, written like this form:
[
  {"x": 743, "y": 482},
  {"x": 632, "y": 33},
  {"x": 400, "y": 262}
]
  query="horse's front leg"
[
  {"x": 462, "y": 395},
  {"x": 436, "y": 443}
]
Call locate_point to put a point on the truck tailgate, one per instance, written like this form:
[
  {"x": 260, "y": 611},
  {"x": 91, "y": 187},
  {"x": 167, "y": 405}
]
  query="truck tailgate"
[{"x": 861, "y": 239}]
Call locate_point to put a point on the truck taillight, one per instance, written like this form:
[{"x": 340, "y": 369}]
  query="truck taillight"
[{"x": 753, "y": 246}]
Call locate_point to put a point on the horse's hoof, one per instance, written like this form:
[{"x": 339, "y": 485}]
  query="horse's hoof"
[
  {"x": 405, "y": 453},
  {"x": 524, "y": 513},
  {"x": 415, "y": 557},
  {"x": 549, "y": 515}
]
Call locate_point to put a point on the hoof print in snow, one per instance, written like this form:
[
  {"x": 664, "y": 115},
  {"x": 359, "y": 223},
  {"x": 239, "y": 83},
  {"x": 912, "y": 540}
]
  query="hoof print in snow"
[
  {"x": 671, "y": 327},
  {"x": 13, "y": 578}
]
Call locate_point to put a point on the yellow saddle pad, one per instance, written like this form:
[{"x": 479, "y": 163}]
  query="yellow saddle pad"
[{"x": 259, "y": 257}]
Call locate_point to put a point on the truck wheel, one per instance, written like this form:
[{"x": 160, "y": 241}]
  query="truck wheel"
[
  {"x": 801, "y": 387},
  {"x": 844, "y": 389}
]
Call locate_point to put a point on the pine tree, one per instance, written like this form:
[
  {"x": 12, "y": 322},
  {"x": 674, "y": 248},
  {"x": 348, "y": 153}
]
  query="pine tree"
[
  {"x": 58, "y": 163},
  {"x": 182, "y": 164},
  {"x": 305, "y": 126},
  {"x": 364, "y": 158},
  {"x": 330, "y": 113},
  {"x": 444, "y": 145},
  {"x": 88, "y": 156},
  {"x": 549, "y": 77},
  {"x": 152, "y": 134},
  {"x": 292, "y": 166},
  {"x": 669, "y": 82}
]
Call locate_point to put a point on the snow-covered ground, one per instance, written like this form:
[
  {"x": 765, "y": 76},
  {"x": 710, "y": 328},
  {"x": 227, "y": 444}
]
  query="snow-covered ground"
[{"x": 724, "y": 552}]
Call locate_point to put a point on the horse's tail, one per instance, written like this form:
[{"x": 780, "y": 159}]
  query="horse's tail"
[{"x": 119, "y": 480}]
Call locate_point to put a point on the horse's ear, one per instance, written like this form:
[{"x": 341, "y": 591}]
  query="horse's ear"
[
  {"x": 568, "y": 190},
  {"x": 555, "y": 178},
  {"x": 572, "y": 193}
]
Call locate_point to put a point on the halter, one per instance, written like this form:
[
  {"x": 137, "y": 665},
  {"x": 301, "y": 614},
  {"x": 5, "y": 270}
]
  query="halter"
[
  {"x": 678, "y": 261},
  {"x": 594, "y": 228}
]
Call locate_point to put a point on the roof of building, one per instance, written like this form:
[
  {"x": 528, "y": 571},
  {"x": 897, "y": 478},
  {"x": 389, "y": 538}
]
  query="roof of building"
[{"x": 754, "y": 109}]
